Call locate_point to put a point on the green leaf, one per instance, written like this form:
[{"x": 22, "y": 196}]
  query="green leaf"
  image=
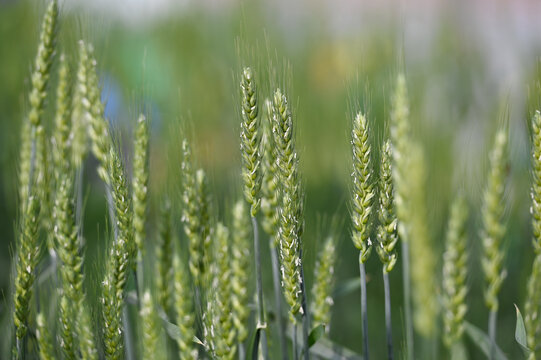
[
  {"x": 173, "y": 330},
  {"x": 482, "y": 341},
  {"x": 346, "y": 287},
  {"x": 458, "y": 351},
  {"x": 254, "y": 344},
  {"x": 316, "y": 334},
  {"x": 520, "y": 332}
]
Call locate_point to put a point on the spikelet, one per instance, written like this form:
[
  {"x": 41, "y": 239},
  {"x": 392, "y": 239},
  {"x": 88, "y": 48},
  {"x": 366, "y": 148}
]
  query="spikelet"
[
  {"x": 269, "y": 187},
  {"x": 532, "y": 315},
  {"x": 140, "y": 181},
  {"x": 184, "y": 312},
  {"x": 33, "y": 125},
  {"x": 240, "y": 267},
  {"x": 81, "y": 115},
  {"x": 363, "y": 192},
  {"x": 386, "y": 233},
  {"x": 45, "y": 342},
  {"x": 492, "y": 215},
  {"x": 455, "y": 271},
  {"x": 164, "y": 260},
  {"x": 250, "y": 141},
  {"x": 291, "y": 220},
  {"x": 323, "y": 283},
  {"x": 28, "y": 251},
  {"x": 151, "y": 329}
]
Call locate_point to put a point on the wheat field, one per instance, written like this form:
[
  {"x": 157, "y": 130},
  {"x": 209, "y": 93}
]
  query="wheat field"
[{"x": 273, "y": 234}]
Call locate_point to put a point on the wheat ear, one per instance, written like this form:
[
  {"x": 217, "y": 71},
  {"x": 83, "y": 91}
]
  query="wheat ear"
[
  {"x": 184, "y": 311},
  {"x": 28, "y": 251},
  {"x": 33, "y": 123},
  {"x": 532, "y": 316},
  {"x": 81, "y": 111},
  {"x": 140, "y": 189},
  {"x": 151, "y": 329},
  {"x": 291, "y": 215},
  {"x": 323, "y": 283},
  {"x": 493, "y": 230},
  {"x": 386, "y": 234},
  {"x": 400, "y": 140},
  {"x": 220, "y": 330},
  {"x": 45, "y": 342},
  {"x": 455, "y": 270},
  {"x": 62, "y": 131},
  {"x": 240, "y": 267},
  {"x": 363, "y": 195},
  {"x": 251, "y": 173},
  {"x": 270, "y": 208},
  {"x": 164, "y": 260}
]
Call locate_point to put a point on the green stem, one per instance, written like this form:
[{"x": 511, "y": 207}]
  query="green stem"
[
  {"x": 388, "y": 322},
  {"x": 241, "y": 352},
  {"x": 364, "y": 309},
  {"x": 278, "y": 300},
  {"x": 305, "y": 317},
  {"x": 259, "y": 289},
  {"x": 127, "y": 333},
  {"x": 492, "y": 332},
  {"x": 407, "y": 299},
  {"x": 295, "y": 352}
]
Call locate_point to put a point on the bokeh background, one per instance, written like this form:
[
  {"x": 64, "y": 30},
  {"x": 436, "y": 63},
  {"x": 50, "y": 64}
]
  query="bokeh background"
[{"x": 471, "y": 66}]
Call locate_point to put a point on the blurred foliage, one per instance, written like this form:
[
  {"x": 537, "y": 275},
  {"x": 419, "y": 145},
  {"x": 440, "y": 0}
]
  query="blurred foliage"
[{"x": 183, "y": 72}]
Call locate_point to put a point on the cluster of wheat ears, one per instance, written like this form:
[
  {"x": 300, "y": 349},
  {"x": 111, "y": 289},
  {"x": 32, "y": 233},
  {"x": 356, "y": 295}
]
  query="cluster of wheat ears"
[{"x": 197, "y": 305}]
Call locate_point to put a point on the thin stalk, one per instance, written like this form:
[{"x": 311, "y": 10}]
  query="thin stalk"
[
  {"x": 305, "y": 317},
  {"x": 259, "y": 288},
  {"x": 388, "y": 315},
  {"x": 295, "y": 352},
  {"x": 364, "y": 308},
  {"x": 241, "y": 352},
  {"x": 407, "y": 299},
  {"x": 137, "y": 274},
  {"x": 278, "y": 300},
  {"x": 127, "y": 333},
  {"x": 492, "y": 332}
]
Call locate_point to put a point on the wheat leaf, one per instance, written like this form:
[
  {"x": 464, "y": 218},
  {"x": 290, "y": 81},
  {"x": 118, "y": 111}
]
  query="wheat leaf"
[
  {"x": 482, "y": 341},
  {"x": 520, "y": 332}
]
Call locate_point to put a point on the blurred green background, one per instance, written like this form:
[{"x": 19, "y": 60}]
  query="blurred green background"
[{"x": 470, "y": 66}]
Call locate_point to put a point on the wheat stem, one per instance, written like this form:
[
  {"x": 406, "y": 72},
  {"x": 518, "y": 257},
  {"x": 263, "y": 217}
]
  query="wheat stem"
[
  {"x": 492, "y": 319},
  {"x": 407, "y": 298},
  {"x": 388, "y": 322},
  {"x": 364, "y": 308},
  {"x": 261, "y": 324}
]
